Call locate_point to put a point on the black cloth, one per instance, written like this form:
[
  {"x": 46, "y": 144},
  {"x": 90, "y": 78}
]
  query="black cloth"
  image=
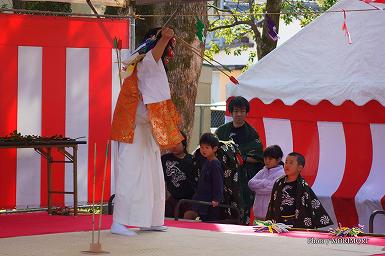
[
  {"x": 249, "y": 144},
  {"x": 239, "y": 134},
  {"x": 308, "y": 213},
  {"x": 289, "y": 192},
  {"x": 210, "y": 185},
  {"x": 179, "y": 175}
]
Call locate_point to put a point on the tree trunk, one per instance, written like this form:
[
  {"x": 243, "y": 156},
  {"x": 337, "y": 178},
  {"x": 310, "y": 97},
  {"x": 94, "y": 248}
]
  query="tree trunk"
[
  {"x": 184, "y": 69},
  {"x": 267, "y": 44},
  {"x": 142, "y": 26}
]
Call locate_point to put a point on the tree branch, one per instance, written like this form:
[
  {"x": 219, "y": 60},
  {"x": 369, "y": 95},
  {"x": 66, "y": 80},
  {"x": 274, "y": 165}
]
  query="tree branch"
[
  {"x": 225, "y": 10},
  {"x": 236, "y": 23},
  {"x": 219, "y": 9},
  {"x": 251, "y": 3}
]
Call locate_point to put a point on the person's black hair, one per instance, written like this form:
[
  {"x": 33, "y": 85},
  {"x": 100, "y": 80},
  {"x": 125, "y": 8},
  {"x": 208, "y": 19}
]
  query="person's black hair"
[
  {"x": 209, "y": 139},
  {"x": 184, "y": 141},
  {"x": 273, "y": 151},
  {"x": 152, "y": 32},
  {"x": 300, "y": 158},
  {"x": 239, "y": 102}
]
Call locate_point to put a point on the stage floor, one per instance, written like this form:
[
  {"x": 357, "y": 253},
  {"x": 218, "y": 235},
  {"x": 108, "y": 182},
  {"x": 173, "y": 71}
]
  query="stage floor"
[{"x": 181, "y": 239}]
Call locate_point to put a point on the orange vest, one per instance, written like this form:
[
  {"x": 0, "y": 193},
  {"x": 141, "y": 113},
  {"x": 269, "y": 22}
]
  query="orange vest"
[{"x": 163, "y": 116}]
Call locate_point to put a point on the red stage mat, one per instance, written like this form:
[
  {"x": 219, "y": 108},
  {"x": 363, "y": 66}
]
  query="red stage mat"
[{"x": 26, "y": 224}]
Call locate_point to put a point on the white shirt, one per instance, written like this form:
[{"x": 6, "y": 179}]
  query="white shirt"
[{"x": 152, "y": 80}]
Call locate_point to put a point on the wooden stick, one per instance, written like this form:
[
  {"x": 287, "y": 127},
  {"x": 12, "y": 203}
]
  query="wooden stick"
[
  {"x": 104, "y": 181},
  {"x": 93, "y": 197},
  {"x": 119, "y": 58},
  {"x": 194, "y": 50},
  {"x": 171, "y": 17},
  {"x": 165, "y": 24}
]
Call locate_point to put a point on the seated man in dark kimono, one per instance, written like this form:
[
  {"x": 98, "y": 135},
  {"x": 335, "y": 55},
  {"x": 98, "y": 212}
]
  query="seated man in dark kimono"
[
  {"x": 247, "y": 139},
  {"x": 293, "y": 202}
]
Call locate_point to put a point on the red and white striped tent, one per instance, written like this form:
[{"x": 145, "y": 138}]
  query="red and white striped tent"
[
  {"x": 58, "y": 75},
  {"x": 318, "y": 95}
]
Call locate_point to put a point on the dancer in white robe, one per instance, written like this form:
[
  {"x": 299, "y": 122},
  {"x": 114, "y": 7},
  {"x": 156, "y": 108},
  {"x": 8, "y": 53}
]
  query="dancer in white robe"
[{"x": 139, "y": 181}]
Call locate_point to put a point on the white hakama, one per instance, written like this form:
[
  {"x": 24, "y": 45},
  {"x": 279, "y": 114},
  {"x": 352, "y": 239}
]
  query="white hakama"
[{"x": 139, "y": 181}]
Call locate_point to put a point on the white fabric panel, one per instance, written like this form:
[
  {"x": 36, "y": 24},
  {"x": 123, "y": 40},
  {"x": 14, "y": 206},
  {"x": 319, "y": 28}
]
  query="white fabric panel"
[
  {"x": 331, "y": 163},
  {"x": 342, "y": 71},
  {"x": 332, "y": 158},
  {"x": 115, "y": 93},
  {"x": 28, "y": 177},
  {"x": 368, "y": 198},
  {"x": 77, "y": 110},
  {"x": 278, "y": 132}
]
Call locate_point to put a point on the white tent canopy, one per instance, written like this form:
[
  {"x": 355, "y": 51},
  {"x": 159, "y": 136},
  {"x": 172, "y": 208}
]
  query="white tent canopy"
[
  {"x": 344, "y": 145},
  {"x": 318, "y": 63}
]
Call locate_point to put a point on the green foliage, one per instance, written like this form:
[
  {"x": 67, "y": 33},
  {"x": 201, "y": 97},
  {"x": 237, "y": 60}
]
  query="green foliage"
[
  {"x": 234, "y": 35},
  {"x": 47, "y": 6},
  {"x": 299, "y": 10},
  {"x": 112, "y": 10},
  {"x": 239, "y": 26}
]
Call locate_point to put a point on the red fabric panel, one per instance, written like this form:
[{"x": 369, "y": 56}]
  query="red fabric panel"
[
  {"x": 32, "y": 30},
  {"x": 348, "y": 112},
  {"x": 8, "y": 123},
  {"x": 53, "y": 117},
  {"x": 251, "y": 217},
  {"x": 306, "y": 142},
  {"x": 100, "y": 101},
  {"x": 358, "y": 163}
]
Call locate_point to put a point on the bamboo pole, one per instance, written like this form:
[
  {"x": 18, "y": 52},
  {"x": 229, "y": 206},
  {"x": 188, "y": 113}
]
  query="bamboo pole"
[
  {"x": 93, "y": 197},
  {"x": 104, "y": 181}
]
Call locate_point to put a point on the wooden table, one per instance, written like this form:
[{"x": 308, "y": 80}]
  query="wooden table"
[{"x": 44, "y": 148}]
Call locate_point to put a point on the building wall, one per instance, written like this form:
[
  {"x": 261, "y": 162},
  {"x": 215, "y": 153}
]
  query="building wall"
[
  {"x": 224, "y": 80},
  {"x": 202, "y": 118},
  {"x": 211, "y": 89}
]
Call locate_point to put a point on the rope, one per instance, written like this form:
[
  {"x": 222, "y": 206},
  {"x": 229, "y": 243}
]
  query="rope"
[
  {"x": 141, "y": 16},
  {"x": 258, "y": 13},
  {"x": 7, "y": 10}
]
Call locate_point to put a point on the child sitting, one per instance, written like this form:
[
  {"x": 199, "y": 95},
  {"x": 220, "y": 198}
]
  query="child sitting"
[
  {"x": 179, "y": 177},
  {"x": 293, "y": 202},
  {"x": 262, "y": 183},
  {"x": 210, "y": 183}
]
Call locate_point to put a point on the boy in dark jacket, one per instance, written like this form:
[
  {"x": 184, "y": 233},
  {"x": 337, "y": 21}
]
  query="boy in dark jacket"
[
  {"x": 210, "y": 184},
  {"x": 293, "y": 202}
]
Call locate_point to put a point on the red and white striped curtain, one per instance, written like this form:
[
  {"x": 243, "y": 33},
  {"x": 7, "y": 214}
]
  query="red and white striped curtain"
[
  {"x": 344, "y": 147},
  {"x": 58, "y": 76}
]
